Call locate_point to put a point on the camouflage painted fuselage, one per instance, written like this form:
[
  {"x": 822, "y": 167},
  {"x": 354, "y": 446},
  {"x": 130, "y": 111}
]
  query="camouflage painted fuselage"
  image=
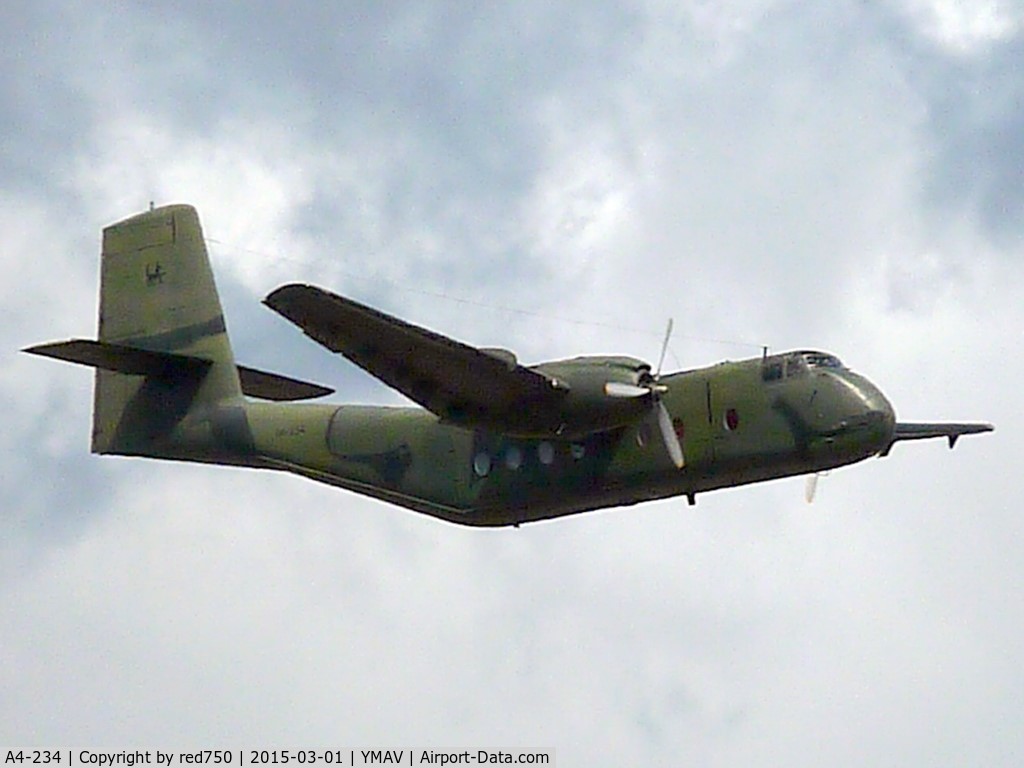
[
  {"x": 735, "y": 425},
  {"x": 496, "y": 443}
]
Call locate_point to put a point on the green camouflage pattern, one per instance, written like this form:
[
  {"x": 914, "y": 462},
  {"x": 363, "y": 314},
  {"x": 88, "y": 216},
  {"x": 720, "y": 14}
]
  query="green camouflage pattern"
[{"x": 737, "y": 422}]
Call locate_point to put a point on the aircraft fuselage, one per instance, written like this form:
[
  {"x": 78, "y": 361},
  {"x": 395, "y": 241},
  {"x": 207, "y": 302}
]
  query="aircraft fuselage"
[
  {"x": 493, "y": 442},
  {"x": 738, "y": 422}
]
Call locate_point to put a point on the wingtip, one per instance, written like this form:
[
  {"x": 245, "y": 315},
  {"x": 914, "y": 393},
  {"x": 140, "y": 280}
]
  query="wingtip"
[
  {"x": 50, "y": 348},
  {"x": 282, "y": 292},
  {"x": 980, "y": 428}
]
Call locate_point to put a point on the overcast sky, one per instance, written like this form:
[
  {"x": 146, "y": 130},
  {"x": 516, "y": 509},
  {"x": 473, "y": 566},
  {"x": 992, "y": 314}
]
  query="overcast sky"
[{"x": 555, "y": 180}]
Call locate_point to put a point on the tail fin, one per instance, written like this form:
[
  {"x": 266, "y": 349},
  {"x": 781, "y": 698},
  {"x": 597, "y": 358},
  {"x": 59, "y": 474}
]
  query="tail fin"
[{"x": 157, "y": 293}]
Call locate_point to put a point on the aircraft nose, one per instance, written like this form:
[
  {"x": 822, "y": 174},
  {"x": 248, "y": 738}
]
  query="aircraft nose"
[{"x": 875, "y": 418}]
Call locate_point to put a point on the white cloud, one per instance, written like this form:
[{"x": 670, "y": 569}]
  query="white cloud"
[
  {"x": 967, "y": 28},
  {"x": 754, "y": 170},
  {"x": 246, "y": 180}
]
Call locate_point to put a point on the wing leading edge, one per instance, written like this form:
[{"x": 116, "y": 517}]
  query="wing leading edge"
[{"x": 457, "y": 382}]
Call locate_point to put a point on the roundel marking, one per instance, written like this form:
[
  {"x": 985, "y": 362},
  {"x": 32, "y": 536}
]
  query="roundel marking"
[
  {"x": 679, "y": 427},
  {"x": 731, "y": 420}
]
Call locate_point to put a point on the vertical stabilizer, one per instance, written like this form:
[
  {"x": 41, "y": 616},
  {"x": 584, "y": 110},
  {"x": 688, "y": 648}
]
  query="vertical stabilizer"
[{"x": 157, "y": 293}]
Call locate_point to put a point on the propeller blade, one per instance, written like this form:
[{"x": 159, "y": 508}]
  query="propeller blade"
[
  {"x": 664, "y": 348},
  {"x": 668, "y": 434},
  {"x": 811, "y": 488},
  {"x": 622, "y": 389}
]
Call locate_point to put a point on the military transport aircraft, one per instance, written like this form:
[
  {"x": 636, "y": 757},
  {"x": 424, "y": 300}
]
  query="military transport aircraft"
[{"x": 494, "y": 443}]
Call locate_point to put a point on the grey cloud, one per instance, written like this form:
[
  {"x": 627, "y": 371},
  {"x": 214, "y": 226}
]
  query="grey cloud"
[
  {"x": 43, "y": 114},
  {"x": 761, "y": 171},
  {"x": 975, "y": 124}
]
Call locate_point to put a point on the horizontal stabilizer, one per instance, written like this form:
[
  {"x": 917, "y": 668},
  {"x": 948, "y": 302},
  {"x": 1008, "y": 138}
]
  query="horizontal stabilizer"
[
  {"x": 167, "y": 365},
  {"x": 122, "y": 359},
  {"x": 274, "y": 386}
]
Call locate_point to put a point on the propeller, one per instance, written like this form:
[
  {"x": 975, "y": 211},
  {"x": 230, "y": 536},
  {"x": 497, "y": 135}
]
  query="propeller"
[
  {"x": 811, "y": 487},
  {"x": 653, "y": 388},
  {"x": 664, "y": 349},
  {"x": 668, "y": 434},
  {"x": 622, "y": 389}
]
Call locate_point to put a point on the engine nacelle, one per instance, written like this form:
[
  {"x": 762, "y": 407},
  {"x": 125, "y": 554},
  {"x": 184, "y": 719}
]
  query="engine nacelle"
[{"x": 587, "y": 407}]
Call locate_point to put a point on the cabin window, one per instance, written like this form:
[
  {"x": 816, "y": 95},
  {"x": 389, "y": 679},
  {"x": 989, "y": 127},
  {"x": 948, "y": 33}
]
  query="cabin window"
[
  {"x": 514, "y": 457},
  {"x": 643, "y": 435},
  {"x": 546, "y": 453},
  {"x": 482, "y": 464}
]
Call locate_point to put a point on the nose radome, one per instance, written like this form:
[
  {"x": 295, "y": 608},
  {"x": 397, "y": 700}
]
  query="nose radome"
[{"x": 876, "y": 414}]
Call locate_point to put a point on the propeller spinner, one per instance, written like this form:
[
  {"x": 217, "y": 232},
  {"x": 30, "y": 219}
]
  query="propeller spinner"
[{"x": 652, "y": 387}]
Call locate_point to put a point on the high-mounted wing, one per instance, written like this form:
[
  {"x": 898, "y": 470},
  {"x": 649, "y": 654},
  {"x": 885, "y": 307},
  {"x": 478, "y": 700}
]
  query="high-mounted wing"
[
  {"x": 950, "y": 431},
  {"x": 459, "y": 383}
]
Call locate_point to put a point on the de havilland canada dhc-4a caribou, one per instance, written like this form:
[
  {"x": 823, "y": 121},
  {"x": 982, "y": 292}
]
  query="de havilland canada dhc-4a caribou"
[{"x": 494, "y": 442}]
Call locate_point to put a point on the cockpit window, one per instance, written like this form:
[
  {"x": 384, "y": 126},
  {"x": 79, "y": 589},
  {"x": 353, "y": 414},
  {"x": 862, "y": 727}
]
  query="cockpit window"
[
  {"x": 822, "y": 360},
  {"x": 795, "y": 366},
  {"x": 772, "y": 370},
  {"x": 779, "y": 367},
  {"x": 792, "y": 364}
]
